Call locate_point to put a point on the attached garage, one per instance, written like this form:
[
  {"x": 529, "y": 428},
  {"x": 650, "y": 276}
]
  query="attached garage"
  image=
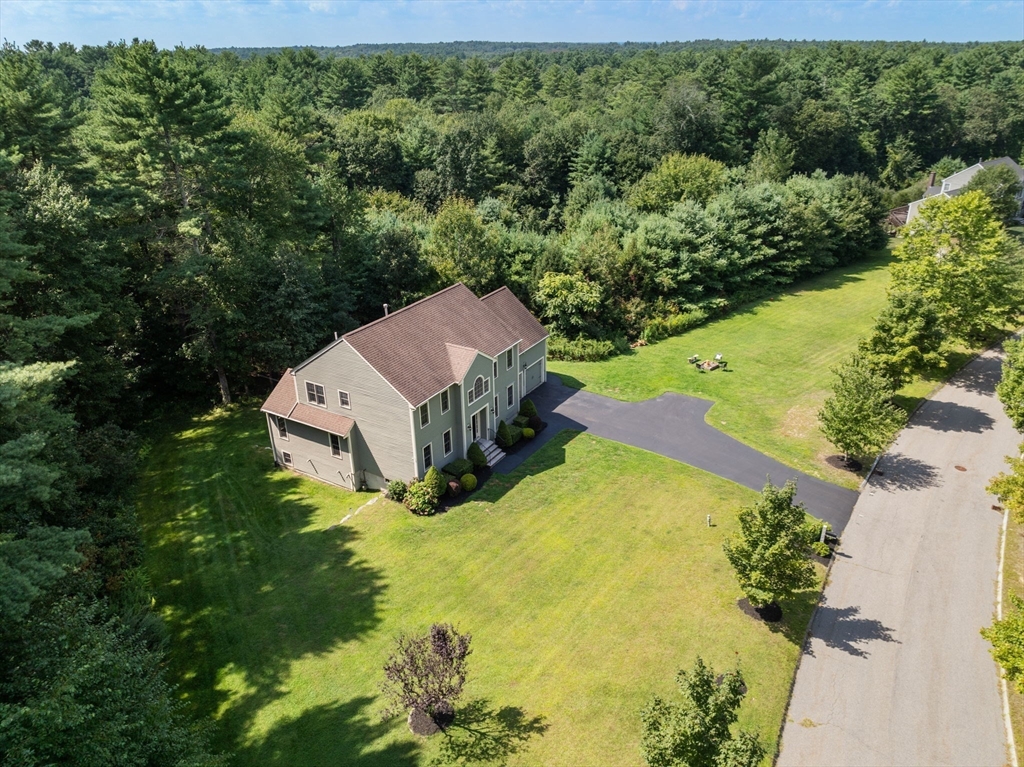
[{"x": 534, "y": 375}]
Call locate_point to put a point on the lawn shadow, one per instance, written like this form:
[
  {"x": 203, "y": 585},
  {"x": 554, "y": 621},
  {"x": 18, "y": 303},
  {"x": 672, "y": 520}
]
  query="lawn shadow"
[
  {"x": 244, "y": 583},
  {"x": 485, "y": 735},
  {"x": 841, "y": 628},
  {"x": 334, "y": 734},
  {"x": 548, "y": 456},
  {"x": 901, "y": 472},
  {"x": 939, "y": 415}
]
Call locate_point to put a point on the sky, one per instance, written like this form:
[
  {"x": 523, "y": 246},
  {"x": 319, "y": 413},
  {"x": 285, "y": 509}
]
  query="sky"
[{"x": 269, "y": 23}]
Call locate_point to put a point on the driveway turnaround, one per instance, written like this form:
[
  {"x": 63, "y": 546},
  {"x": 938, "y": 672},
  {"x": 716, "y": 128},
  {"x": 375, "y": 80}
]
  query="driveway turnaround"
[
  {"x": 674, "y": 426},
  {"x": 894, "y": 671}
]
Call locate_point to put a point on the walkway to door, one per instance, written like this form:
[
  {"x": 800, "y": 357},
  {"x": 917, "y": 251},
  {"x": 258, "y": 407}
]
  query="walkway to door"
[{"x": 673, "y": 425}]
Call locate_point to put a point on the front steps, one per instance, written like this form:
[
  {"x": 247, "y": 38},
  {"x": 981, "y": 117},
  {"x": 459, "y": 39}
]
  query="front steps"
[{"x": 492, "y": 452}]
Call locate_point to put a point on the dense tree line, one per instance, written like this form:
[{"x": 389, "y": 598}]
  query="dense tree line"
[{"x": 179, "y": 226}]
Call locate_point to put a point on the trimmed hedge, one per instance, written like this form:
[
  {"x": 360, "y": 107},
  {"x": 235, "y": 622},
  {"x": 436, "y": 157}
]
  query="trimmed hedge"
[
  {"x": 435, "y": 479},
  {"x": 468, "y": 482},
  {"x": 476, "y": 455},
  {"x": 516, "y": 433},
  {"x": 527, "y": 408},
  {"x": 504, "y": 435},
  {"x": 458, "y": 467},
  {"x": 521, "y": 421},
  {"x": 535, "y": 422},
  {"x": 529, "y": 433},
  {"x": 580, "y": 349}
]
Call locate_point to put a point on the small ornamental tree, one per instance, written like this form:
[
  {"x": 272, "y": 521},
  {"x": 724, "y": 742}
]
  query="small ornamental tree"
[
  {"x": 1007, "y": 638},
  {"x": 694, "y": 732},
  {"x": 435, "y": 480},
  {"x": 476, "y": 454},
  {"x": 504, "y": 435},
  {"x": 771, "y": 556},
  {"x": 860, "y": 417},
  {"x": 1011, "y": 386},
  {"x": 427, "y": 673},
  {"x": 527, "y": 408},
  {"x": 906, "y": 339}
]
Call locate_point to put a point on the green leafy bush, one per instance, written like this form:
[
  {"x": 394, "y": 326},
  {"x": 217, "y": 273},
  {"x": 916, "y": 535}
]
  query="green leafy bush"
[
  {"x": 454, "y": 487},
  {"x": 458, "y": 467},
  {"x": 468, "y": 482},
  {"x": 810, "y": 530},
  {"x": 579, "y": 350},
  {"x": 521, "y": 421},
  {"x": 527, "y": 408},
  {"x": 529, "y": 433},
  {"x": 421, "y": 499},
  {"x": 504, "y": 436},
  {"x": 672, "y": 325},
  {"x": 515, "y": 433},
  {"x": 397, "y": 490},
  {"x": 821, "y": 549},
  {"x": 476, "y": 456}
]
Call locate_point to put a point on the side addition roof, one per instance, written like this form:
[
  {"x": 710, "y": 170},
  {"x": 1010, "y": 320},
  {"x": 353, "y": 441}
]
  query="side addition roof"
[{"x": 282, "y": 402}]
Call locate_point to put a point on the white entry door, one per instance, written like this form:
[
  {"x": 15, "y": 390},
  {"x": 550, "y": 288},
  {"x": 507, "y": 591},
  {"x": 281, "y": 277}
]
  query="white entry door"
[{"x": 479, "y": 421}]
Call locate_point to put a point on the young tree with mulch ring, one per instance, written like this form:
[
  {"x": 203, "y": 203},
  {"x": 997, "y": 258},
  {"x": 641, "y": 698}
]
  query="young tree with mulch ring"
[
  {"x": 771, "y": 556},
  {"x": 695, "y": 731},
  {"x": 425, "y": 676}
]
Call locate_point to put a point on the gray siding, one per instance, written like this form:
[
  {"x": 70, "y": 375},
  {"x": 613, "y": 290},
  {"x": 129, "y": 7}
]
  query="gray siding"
[
  {"x": 382, "y": 436},
  {"x": 508, "y": 377},
  {"x": 535, "y": 355},
  {"x": 433, "y": 433},
  {"x": 310, "y": 450}
]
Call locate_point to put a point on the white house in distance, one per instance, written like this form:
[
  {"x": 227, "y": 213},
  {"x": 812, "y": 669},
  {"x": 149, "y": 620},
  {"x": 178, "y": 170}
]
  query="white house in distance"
[
  {"x": 953, "y": 185},
  {"x": 413, "y": 389}
]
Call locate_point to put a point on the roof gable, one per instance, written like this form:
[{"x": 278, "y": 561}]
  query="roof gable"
[
  {"x": 420, "y": 349},
  {"x": 510, "y": 309}
]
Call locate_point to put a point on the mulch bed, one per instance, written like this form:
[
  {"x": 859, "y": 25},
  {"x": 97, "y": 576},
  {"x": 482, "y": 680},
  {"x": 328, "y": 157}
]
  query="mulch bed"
[
  {"x": 423, "y": 724},
  {"x": 846, "y": 464},
  {"x": 768, "y": 613},
  {"x": 447, "y": 502}
]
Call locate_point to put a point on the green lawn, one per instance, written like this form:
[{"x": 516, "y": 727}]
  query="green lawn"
[
  {"x": 587, "y": 578},
  {"x": 780, "y": 352}
]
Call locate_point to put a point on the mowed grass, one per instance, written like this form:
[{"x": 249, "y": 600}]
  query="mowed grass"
[
  {"x": 780, "y": 353},
  {"x": 587, "y": 578},
  {"x": 1013, "y": 583}
]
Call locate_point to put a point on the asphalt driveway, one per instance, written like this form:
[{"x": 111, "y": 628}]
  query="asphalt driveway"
[
  {"x": 673, "y": 425},
  {"x": 894, "y": 671}
]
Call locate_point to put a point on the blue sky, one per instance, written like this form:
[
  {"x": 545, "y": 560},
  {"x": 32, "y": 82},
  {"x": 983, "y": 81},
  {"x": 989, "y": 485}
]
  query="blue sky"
[{"x": 221, "y": 23}]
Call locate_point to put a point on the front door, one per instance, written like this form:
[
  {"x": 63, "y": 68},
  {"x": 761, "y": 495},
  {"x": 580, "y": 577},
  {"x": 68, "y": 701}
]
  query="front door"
[{"x": 479, "y": 422}]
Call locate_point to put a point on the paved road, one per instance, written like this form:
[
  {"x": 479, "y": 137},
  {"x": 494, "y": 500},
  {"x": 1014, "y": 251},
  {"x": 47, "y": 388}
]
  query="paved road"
[
  {"x": 895, "y": 672},
  {"x": 673, "y": 425}
]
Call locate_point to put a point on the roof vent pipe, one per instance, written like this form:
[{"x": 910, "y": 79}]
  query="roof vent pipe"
[
  {"x": 931, "y": 179},
  {"x": 385, "y": 310},
  {"x": 335, "y": 335}
]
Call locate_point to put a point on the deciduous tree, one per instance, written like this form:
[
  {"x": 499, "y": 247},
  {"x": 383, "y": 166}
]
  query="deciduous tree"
[
  {"x": 427, "y": 673},
  {"x": 859, "y": 418}
]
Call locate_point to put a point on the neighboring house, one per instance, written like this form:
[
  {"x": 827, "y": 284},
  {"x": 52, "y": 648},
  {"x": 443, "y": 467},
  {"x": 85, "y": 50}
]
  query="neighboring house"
[
  {"x": 408, "y": 391},
  {"x": 953, "y": 185}
]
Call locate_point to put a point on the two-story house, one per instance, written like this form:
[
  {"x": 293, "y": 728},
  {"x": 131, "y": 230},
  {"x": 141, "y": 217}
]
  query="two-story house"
[
  {"x": 408, "y": 391},
  {"x": 956, "y": 184}
]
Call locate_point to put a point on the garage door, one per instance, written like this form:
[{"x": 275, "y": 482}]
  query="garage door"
[{"x": 532, "y": 377}]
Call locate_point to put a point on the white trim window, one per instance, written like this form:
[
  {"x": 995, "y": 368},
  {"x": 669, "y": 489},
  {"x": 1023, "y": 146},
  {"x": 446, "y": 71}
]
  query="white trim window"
[
  {"x": 335, "y": 445},
  {"x": 510, "y": 396},
  {"x": 445, "y": 401},
  {"x": 344, "y": 400},
  {"x": 478, "y": 390},
  {"x": 495, "y": 368},
  {"x": 428, "y": 456},
  {"x": 287, "y": 458},
  {"x": 424, "y": 414},
  {"x": 282, "y": 426},
  {"x": 315, "y": 394},
  {"x": 508, "y": 359},
  {"x": 446, "y": 442}
]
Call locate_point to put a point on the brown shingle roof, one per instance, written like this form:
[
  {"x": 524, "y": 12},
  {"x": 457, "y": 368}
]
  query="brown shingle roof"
[
  {"x": 282, "y": 402},
  {"x": 461, "y": 358},
  {"x": 409, "y": 348},
  {"x": 512, "y": 312}
]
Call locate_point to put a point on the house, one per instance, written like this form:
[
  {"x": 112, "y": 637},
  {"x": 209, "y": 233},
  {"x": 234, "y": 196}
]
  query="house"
[
  {"x": 410, "y": 390},
  {"x": 953, "y": 185}
]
